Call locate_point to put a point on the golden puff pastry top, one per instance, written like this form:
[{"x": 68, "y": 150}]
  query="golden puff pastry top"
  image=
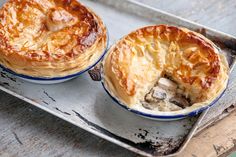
[
  {"x": 49, "y": 38},
  {"x": 136, "y": 62}
]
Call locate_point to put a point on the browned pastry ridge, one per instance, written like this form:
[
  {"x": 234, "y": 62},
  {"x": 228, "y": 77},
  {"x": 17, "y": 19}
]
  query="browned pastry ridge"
[
  {"x": 136, "y": 62},
  {"x": 49, "y": 38}
]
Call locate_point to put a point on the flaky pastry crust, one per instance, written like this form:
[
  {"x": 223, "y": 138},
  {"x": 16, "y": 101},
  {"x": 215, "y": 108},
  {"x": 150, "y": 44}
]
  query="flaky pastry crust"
[
  {"x": 49, "y": 38},
  {"x": 135, "y": 63}
]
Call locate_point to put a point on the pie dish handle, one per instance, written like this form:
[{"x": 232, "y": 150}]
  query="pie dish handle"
[{"x": 95, "y": 72}]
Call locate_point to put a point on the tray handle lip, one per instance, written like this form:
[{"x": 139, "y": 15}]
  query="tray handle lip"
[
  {"x": 161, "y": 12},
  {"x": 191, "y": 133}
]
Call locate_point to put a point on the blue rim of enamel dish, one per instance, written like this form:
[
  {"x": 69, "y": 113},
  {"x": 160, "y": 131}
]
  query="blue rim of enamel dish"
[
  {"x": 156, "y": 116},
  {"x": 59, "y": 78}
]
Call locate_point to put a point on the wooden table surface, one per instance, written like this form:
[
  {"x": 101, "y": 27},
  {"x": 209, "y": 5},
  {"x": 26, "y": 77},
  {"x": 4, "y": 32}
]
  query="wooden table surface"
[{"x": 28, "y": 131}]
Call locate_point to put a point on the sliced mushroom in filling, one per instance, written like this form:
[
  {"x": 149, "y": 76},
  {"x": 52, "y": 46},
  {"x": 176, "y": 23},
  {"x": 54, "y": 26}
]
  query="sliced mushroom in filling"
[{"x": 165, "y": 95}]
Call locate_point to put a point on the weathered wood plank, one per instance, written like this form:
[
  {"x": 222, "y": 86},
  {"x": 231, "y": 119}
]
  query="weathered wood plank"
[{"x": 211, "y": 143}]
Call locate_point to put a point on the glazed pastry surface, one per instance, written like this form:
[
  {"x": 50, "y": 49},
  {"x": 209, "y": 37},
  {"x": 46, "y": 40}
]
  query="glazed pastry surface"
[
  {"x": 142, "y": 61},
  {"x": 49, "y": 38}
]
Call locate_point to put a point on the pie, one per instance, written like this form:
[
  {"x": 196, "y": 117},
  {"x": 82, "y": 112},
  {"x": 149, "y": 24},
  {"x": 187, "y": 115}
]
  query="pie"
[
  {"x": 50, "y": 38},
  {"x": 164, "y": 68}
]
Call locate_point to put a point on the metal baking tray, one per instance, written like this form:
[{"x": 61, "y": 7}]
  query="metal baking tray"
[{"x": 84, "y": 103}]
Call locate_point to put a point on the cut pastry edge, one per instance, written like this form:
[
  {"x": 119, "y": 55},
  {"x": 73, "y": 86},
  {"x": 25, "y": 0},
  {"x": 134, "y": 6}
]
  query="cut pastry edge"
[
  {"x": 170, "y": 106},
  {"x": 176, "y": 109},
  {"x": 165, "y": 95}
]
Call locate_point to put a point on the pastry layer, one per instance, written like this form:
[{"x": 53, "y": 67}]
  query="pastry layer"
[
  {"x": 136, "y": 62},
  {"x": 49, "y": 38}
]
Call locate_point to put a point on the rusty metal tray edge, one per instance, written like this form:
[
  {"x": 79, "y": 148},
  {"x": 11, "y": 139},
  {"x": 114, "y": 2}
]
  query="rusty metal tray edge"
[
  {"x": 143, "y": 10},
  {"x": 228, "y": 39},
  {"x": 104, "y": 136},
  {"x": 93, "y": 131}
]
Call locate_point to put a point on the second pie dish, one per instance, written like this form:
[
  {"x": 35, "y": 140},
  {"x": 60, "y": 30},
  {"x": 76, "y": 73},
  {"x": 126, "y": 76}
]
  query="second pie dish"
[
  {"x": 50, "y": 40},
  {"x": 164, "y": 72}
]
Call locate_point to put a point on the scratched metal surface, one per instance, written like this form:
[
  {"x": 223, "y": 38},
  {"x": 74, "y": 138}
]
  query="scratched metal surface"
[
  {"x": 226, "y": 42},
  {"x": 84, "y": 103},
  {"x": 90, "y": 111}
]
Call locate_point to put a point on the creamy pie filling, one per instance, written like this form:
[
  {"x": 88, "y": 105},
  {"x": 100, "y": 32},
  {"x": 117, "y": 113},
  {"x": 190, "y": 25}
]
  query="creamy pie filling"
[
  {"x": 165, "y": 69},
  {"x": 166, "y": 95}
]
